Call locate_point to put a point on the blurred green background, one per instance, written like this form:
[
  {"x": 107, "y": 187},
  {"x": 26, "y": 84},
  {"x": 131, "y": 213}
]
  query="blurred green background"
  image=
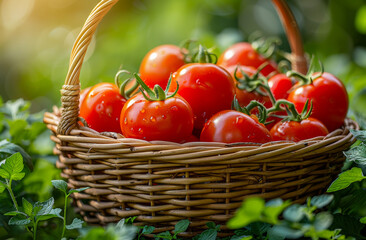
[{"x": 36, "y": 38}]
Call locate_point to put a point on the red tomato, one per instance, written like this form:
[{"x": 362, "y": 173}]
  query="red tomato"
[
  {"x": 231, "y": 126},
  {"x": 159, "y": 63},
  {"x": 83, "y": 94},
  {"x": 207, "y": 87},
  {"x": 244, "y": 97},
  {"x": 280, "y": 85},
  {"x": 244, "y": 54},
  {"x": 297, "y": 131},
  {"x": 168, "y": 120},
  {"x": 102, "y": 107},
  {"x": 329, "y": 97}
]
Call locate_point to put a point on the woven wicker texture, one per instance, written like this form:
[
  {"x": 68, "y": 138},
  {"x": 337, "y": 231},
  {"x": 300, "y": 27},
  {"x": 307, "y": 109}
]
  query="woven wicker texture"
[{"x": 164, "y": 182}]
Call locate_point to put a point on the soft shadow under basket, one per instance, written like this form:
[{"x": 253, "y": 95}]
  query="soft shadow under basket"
[{"x": 164, "y": 182}]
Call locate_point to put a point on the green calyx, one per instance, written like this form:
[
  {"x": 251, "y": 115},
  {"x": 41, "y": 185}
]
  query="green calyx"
[
  {"x": 122, "y": 78},
  {"x": 256, "y": 82},
  {"x": 292, "y": 114},
  {"x": 194, "y": 52},
  {"x": 157, "y": 94},
  {"x": 263, "y": 112},
  {"x": 309, "y": 77},
  {"x": 267, "y": 47}
]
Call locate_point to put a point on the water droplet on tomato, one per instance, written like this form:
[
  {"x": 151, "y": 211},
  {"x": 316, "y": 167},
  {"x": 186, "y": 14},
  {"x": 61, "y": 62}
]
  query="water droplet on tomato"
[
  {"x": 238, "y": 120},
  {"x": 140, "y": 131},
  {"x": 156, "y": 106},
  {"x": 163, "y": 116},
  {"x": 142, "y": 111},
  {"x": 152, "y": 119},
  {"x": 174, "y": 108},
  {"x": 198, "y": 82},
  {"x": 125, "y": 121}
]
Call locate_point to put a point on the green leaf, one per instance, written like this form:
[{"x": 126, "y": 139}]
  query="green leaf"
[
  {"x": 181, "y": 226},
  {"x": 350, "y": 225},
  {"x": 359, "y": 134},
  {"x": 322, "y": 200},
  {"x": 60, "y": 185},
  {"x": 76, "y": 223},
  {"x": 323, "y": 220},
  {"x": 148, "y": 229},
  {"x": 77, "y": 190},
  {"x": 43, "y": 208},
  {"x": 13, "y": 164},
  {"x": 27, "y": 206},
  {"x": 19, "y": 220},
  {"x": 4, "y": 174},
  {"x": 2, "y": 187},
  {"x": 357, "y": 154},
  {"x": 273, "y": 209},
  {"x": 164, "y": 235},
  {"x": 294, "y": 213},
  {"x": 18, "y": 176},
  {"x": 345, "y": 179},
  {"x": 208, "y": 234},
  {"x": 16, "y": 109},
  {"x": 363, "y": 220},
  {"x": 14, "y": 213},
  {"x": 286, "y": 232},
  {"x": 8, "y": 148},
  {"x": 211, "y": 225},
  {"x": 250, "y": 211}
]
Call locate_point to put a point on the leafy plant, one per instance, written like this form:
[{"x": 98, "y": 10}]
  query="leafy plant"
[{"x": 62, "y": 186}]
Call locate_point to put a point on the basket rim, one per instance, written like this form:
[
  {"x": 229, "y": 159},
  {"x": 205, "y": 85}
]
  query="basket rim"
[{"x": 52, "y": 120}]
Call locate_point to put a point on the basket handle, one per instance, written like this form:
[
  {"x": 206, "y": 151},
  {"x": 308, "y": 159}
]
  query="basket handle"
[
  {"x": 298, "y": 59},
  {"x": 70, "y": 92}
]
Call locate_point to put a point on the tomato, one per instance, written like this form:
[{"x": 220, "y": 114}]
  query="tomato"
[
  {"x": 167, "y": 120},
  {"x": 297, "y": 131},
  {"x": 244, "y": 54},
  {"x": 102, "y": 107},
  {"x": 207, "y": 87},
  {"x": 83, "y": 94},
  {"x": 244, "y": 97},
  {"x": 280, "y": 85},
  {"x": 232, "y": 126},
  {"x": 159, "y": 63},
  {"x": 329, "y": 98}
]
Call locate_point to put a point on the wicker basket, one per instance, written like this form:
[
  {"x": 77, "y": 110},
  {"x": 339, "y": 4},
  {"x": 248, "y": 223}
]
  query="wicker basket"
[{"x": 164, "y": 182}]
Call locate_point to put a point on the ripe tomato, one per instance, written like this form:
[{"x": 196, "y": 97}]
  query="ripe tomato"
[
  {"x": 159, "y": 63},
  {"x": 231, "y": 126},
  {"x": 297, "y": 131},
  {"x": 102, "y": 107},
  {"x": 329, "y": 97},
  {"x": 207, "y": 87},
  {"x": 169, "y": 120},
  {"x": 244, "y": 97},
  {"x": 280, "y": 85},
  {"x": 83, "y": 94},
  {"x": 244, "y": 54}
]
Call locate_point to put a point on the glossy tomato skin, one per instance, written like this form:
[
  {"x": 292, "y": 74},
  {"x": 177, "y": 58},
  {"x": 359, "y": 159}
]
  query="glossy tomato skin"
[
  {"x": 244, "y": 97},
  {"x": 208, "y": 88},
  {"x": 101, "y": 107},
  {"x": 167, "y": 120},
  {"x": 231, "y": 126},
  {"x": 297, "y": 131},
  {"x": 159, "y": 63},
  {"x": 244, "y": 54},
  {"x": 329, "y": 97},
  {"x": 280, "y": 85},
  {"x": 83, "y": 94}
]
